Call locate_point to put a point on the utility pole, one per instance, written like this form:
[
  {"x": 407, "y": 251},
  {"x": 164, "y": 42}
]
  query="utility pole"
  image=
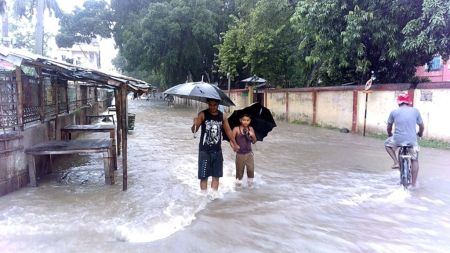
[
  {"x": 229, "y": 83},
  {"x": 229, "y": 87}
]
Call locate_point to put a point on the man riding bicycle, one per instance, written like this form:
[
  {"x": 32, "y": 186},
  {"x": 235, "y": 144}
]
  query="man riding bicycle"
[{"x": 405, "y": 119}]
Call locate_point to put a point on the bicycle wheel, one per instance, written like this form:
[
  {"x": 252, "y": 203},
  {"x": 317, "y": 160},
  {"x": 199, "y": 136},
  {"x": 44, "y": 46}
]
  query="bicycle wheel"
[
  {"x": 409, "y": 174},
  {"x": 405, "y": 173}
]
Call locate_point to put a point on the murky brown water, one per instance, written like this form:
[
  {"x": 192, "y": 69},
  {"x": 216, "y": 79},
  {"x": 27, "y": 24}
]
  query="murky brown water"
[{"x": 316, "y": 191}]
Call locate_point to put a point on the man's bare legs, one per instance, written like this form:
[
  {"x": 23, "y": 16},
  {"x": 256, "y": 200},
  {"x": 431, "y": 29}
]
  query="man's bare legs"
[
  {"x": 215, "y": 183},
  {"x": 203, "y": 184},
  {"x": 391, "y": 152},
  {"x": 414, "y": 171}
]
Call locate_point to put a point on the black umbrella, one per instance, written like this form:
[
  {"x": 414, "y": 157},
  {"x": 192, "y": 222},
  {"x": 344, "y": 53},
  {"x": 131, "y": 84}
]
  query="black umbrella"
[
  {"x": 200, "y": 91},
  {"x": 262, "y": 120}
]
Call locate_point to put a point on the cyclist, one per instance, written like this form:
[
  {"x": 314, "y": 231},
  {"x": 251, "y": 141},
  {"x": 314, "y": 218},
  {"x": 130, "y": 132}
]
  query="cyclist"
[{"x": 405, "y": 118}]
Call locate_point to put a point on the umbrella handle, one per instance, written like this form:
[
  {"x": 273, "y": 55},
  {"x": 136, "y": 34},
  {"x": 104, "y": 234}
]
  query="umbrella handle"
[{"x": 195, "y": 127}]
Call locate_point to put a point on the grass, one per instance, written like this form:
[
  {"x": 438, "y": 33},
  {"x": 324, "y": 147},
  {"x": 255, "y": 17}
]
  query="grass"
[
  {"x": 299, "y": 122},
  {"x": 429, "y": 143}
]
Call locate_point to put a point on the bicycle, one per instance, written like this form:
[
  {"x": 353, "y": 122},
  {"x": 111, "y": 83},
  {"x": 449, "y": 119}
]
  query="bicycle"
[{"x": 404, "y": 159}]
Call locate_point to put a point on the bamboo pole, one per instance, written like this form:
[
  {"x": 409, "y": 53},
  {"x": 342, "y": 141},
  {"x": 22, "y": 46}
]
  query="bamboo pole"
[
  {"x": 124, "y": 135},
  {"x": 117, "y": 98},
  {"x": 57, "y": 110}
]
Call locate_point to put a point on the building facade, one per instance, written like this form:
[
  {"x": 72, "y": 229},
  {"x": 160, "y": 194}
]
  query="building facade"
[{"x": 436, "y": 71}]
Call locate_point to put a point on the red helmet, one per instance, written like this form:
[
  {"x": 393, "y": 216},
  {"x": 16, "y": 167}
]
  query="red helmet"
[{"x": 403, "y": 99}]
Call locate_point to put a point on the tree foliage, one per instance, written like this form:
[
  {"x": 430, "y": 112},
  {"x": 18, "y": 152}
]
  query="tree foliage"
[
  {"x": 346, "y": 40},
  {"x": 84, "y": 24},
  {"x": 308, "y": 43},
  {"x": 337, "y": 41},
  {"x": 174, "y": 39},
  {"x": 260, "y": 41},
  {"x": 428, "y": 34}
]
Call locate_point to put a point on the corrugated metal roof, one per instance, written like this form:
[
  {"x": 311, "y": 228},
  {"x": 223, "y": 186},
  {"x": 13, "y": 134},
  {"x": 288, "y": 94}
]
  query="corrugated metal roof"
[{"x": 71, "y": 72}]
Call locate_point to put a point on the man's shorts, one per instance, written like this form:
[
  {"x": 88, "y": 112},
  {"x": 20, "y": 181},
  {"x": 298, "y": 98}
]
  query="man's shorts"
[
  {"x": 413, "y": 151},
  {"x": 210, "y": 164}
]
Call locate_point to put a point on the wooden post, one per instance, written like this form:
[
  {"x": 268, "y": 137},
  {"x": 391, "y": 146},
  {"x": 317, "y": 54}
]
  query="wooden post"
[
  {"x": 41, "y": 94},
  {"x": 57, "y": 112},
  {"x": 118, "y": 98},
  {"x": 95, "y": 104},
  {"x": 108, "y": 166},
  {"x": 32, "y": 170},
  {"x": 112, "y": 136},
  {"x": 20, "y": 99},
  {"x": 355, "y": 111},
  {"x": 66, "y": 95},
  {"x": 124, "y": 134}
]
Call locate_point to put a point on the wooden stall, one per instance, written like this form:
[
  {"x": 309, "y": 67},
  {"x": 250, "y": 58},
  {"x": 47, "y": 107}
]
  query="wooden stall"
[{"x": 44, "y": 90}]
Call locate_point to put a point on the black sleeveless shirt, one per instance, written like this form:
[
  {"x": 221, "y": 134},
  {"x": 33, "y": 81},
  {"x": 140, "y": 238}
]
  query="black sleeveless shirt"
[{"x": 211, "y": 132}]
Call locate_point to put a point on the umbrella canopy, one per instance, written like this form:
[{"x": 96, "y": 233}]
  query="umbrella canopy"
[
  {"x": 200, "y": 91},
  {"x": 254, "y": 79},
  {"x": 262, "y": 120}
]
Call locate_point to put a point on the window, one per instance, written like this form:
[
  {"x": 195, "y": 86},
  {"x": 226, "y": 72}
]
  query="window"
[{"x": 435, "y": 64}]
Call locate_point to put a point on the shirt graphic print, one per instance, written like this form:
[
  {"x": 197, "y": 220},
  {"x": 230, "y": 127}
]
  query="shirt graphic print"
[{"x": 213, "y": 132}]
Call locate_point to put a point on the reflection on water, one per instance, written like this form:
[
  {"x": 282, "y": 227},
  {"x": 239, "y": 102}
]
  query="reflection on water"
[{"x": 315, "y": 191}]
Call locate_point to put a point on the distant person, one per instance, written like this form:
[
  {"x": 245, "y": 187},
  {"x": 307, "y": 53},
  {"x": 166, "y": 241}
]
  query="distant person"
[
  {"x": 170, "y": 99},
  {"x": 244, "y": 135},
  {"x": 405, "y": 118},
  {"x": 210, "y": 158}
]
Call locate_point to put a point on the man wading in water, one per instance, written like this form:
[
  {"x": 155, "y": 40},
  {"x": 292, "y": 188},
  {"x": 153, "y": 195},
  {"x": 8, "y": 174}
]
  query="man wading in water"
[{"x": 210, "y": 159}]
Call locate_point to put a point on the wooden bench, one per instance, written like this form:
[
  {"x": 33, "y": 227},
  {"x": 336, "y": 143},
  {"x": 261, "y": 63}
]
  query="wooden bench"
[
  {"x": 106, "y": 116},
  {"x": 67, "y": 130},
  {"x": 111, "y": 109},
  {"x": 61, "y": 147}
]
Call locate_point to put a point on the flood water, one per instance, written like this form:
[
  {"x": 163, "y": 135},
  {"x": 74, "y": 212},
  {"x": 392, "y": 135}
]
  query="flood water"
[{"x": 316, "y": 190}]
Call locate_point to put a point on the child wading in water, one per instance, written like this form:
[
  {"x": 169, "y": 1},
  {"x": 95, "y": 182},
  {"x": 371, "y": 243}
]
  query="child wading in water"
[{"x": 244, "y": 136}]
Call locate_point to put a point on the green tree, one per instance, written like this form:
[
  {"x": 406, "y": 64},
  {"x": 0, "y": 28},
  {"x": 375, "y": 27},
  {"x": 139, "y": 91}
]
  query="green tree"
[
  {"x": 261, "y": 42},
  {"x": 429, "y": 33},
  {"x": 346, "y": 40},
  {"x": 83, "y": 25},
  {"x": 168, "y": 41},
  {"x": 174, "y": 39}
]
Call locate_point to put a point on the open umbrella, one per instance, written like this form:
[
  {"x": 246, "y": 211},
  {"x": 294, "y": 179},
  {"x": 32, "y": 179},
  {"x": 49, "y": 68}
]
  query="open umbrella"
[
  {"x": 200, "y": 91},
  {"x": 262, "y": 120}
]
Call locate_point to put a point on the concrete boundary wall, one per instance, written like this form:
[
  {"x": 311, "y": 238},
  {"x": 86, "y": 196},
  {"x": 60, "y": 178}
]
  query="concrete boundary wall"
[{"x": 345, "y": 106}]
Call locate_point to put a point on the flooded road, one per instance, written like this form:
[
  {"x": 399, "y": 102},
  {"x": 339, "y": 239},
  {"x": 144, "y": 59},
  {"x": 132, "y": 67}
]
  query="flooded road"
[{"x": 316, "y": 190}]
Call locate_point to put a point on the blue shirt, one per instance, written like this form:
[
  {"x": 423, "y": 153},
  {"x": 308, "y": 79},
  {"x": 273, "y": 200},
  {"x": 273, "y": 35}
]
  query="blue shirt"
[{"x": 405, "y": 119}]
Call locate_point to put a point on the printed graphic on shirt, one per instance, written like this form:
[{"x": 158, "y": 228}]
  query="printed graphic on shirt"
[{"x": 212, "y": 132}]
